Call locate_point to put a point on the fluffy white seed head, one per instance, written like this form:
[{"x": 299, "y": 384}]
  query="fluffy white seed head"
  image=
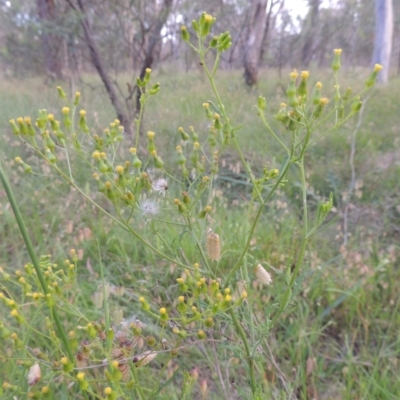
[
  {"x": 160, "y": 186},
  {"x": 149, "y": 208}
]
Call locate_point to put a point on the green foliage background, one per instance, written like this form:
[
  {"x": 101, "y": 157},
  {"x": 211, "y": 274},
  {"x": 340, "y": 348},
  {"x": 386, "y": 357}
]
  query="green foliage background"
[{"x": 339, "y": 340}]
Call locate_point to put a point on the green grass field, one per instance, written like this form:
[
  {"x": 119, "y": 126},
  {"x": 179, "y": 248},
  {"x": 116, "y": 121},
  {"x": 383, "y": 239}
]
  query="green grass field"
[{"x": 339, "y": 339}]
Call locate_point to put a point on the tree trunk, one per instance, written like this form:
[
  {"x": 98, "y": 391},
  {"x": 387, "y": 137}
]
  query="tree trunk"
[
  {"x": 258, "y": 18},
  {"x": 154, "y": 39},
  {"x": 383, "y": 37},
  {"x": 98, "y": 64},
  {"x": 264, "y": 45},
  {"x": 52, "y": 50},
  {"x": 311, "y": 29}
]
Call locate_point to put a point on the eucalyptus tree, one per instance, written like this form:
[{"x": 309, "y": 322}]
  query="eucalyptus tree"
[{"x": 383, "y": 36}]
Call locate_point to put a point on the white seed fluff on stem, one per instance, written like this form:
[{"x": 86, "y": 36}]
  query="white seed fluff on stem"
[
  {"x": 262, "y": 275},
  {"x": 149, "y": 208},
  {"x": 160, "y": 186}
]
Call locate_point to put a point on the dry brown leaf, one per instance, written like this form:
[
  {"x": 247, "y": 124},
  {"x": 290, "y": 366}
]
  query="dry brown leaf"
[{"x": 310, "y": 365}]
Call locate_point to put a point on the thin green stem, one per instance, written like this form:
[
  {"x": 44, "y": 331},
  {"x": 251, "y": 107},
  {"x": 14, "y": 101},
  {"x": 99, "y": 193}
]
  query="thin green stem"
[
  {"x": 304, "y": 193},
  {"x": 206, "y": 264},
  {"x": 23, "y": 230},
  {"x": 222, "y": 108},
  {"x": 336, "y": 98},
  {"x": 68, "y": 163},
  {"x": 323, "y": 120},
  {"x": 247, "y": 168},
  {"x": 216, "y": 64},
  {"x": 351, "y": 114},
  {"x": 300, "y": 259},
  {"x": 172, "y": 177},
  {"x": 265, "y": 122},
  {"x": 105, "y": 299},
  {"x": 168, "y": 222},
  {"x": 137, "y": 384},
  {"x": 323, "y": 134},
  {"x": 250, "y": 314},
  {"x": 249, "y": 360},
  {"x": 138, "y": 121},
  {"x": 255, "y": 221},
  {"x": 162, "y": 240},
  {"x": 305, "y": 145}
]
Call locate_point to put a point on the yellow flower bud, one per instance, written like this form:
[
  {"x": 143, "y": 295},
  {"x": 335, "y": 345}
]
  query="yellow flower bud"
[
  {"x": 305, "y": 75},
  {"x": 294, "y": 75},
  {"x": 81, "y": 376},
  {"x": 119, "y": 169},
  {"x": 336, "y": 64},
  {"x": 185, "y": 33},
  {"x": 61, "y": 92},
  {"x": 324, "y": 101},
  {"x": 96, "y": 155}
]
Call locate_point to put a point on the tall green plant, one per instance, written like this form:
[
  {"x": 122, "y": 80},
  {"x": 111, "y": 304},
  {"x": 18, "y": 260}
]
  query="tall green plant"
[{"x": 170, "y": 212}]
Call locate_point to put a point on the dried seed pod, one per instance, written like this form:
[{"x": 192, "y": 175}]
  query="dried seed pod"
[
  {"x": 124, "y": 368},
  {"x": 144, "y": 358},
  {"x": 117, "y": 354},
  {"x": 34, "y": 374},
  {"x": 262, "y": 275},
  {"x": 121, "y": 337},
  {"x": 102, "y": 335},
  {"x": 131, "y": 343},
  {"x": 140, "y": 342},
  {"x": 81, "y": 359},
  {"x": 124, "y": 339},
  {"x": 213, "y": 246}
]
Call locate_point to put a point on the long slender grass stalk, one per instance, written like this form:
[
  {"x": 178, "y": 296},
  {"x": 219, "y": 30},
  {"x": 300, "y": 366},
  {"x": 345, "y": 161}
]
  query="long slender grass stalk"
[{"x": 35, "y": 262}]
